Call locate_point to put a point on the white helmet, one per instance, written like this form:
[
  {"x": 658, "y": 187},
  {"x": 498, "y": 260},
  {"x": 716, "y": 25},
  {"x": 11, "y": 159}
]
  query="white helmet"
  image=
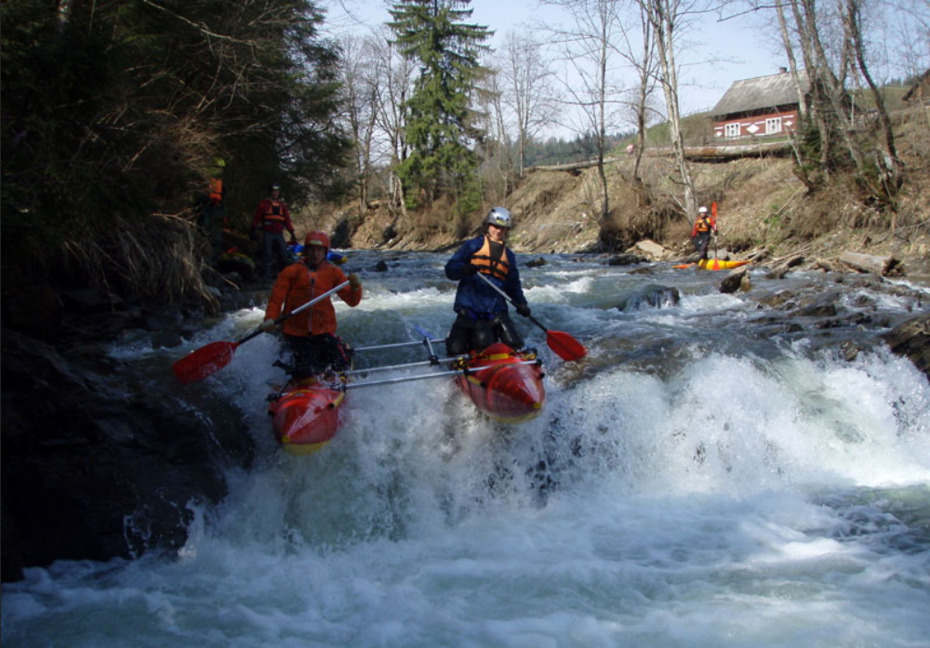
[
  {"x": 499, "y": 216},
  {"x": 702, "y": 209}
]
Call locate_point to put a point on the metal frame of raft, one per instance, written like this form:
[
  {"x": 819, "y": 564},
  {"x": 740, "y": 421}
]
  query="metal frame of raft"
[
  {"x": 432, "y": 361},
  {"x": 305, "y": 415}
]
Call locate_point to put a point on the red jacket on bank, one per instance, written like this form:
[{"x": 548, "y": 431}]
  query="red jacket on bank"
[{"x": 273, "y": 216}]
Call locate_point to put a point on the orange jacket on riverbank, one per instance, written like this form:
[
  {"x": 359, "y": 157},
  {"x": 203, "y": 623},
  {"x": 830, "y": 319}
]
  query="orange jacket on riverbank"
[{"x": 296, "y": 285}]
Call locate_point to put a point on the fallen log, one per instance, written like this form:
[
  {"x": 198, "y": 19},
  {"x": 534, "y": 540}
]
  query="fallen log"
[{"x": 883, "y": 266}]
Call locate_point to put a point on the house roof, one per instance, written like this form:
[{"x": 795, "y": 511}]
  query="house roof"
[{"x": 759, "y": 92}]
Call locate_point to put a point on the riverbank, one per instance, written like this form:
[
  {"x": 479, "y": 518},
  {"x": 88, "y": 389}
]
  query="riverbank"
[{"x": 764, "y": 214}]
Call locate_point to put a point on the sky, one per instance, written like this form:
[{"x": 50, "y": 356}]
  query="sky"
[
  {"x": 721, "y": 52},
  {"x": 717, "y": 49}
]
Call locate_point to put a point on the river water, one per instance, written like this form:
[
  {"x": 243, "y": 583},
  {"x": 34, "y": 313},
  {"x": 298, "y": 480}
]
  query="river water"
[{"x": 710, "y": 475}]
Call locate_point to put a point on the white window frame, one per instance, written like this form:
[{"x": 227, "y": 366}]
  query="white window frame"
[
  {"x": 732, "y": 130},
  {"x": 772, "y": 125}
]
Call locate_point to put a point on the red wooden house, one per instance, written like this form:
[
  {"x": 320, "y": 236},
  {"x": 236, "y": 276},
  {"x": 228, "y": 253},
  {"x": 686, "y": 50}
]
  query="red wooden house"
[{"x": 758, "y": 107}]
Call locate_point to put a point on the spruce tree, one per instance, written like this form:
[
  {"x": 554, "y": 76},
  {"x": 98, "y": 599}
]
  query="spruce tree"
[{"x": 441, "y": 127}]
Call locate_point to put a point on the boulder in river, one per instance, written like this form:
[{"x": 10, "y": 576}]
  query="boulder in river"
[
  {"x": 911, "y": 339},
  {"x": 651, "y": 295},
  {"x": 100, "y": 461}
]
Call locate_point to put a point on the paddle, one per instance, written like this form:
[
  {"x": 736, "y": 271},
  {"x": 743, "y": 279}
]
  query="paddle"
[
  {"x": 208, "y": 359},
  {"x": 567, "y": 347}
]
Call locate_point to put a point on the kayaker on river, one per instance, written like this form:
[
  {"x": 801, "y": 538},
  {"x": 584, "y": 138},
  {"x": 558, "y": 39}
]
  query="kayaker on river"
[
  {"x": 704, "y": 226},
  {"x": 482, "y": 312},
  {"x": 310, "y": 335}
]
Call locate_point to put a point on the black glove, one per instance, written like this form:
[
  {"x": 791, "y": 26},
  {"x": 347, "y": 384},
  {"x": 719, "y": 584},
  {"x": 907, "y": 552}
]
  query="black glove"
[
  {"x": 523, "y": 309},
  {"x": 470, "y": 270}
]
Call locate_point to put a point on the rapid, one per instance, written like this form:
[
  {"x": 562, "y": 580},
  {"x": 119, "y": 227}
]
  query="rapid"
[{"x": 711, "y": 474}]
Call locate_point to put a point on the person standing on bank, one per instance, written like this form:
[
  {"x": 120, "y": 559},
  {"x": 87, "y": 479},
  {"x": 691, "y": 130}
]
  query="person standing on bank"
[
  {"x": 310, "y": 334},
  {"x": 273, "y": 217},
  {"x": 482, "y": 317},
  {"x": 704, "y": 226},
  {"x": 212, "y": 212}
]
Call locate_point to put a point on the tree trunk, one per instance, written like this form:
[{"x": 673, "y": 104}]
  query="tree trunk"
[
  {"x": 792, "y": 61},
  {"x": 840, "y": 101},
  {"x": 818, "y": 113},
  {"x": 889, "y": 168},
  {"x": 602, "y": 123},
  {"x": 664, "y": 25}
]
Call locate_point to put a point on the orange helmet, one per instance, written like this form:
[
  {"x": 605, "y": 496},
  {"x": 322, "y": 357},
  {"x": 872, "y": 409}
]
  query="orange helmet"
[{"x": 316, "y": 238}]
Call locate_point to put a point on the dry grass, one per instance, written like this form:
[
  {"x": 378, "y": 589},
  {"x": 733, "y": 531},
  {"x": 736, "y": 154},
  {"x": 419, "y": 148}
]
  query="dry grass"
[{"x": 159, "y": 259}]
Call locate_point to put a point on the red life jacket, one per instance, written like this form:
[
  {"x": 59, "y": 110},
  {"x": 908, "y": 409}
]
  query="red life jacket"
[{"x": 484, "y": 260}]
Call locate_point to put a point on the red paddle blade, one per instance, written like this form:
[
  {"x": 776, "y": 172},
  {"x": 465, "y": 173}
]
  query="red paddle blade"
[
  {"x": 206, "y": 360},
  {"x": 567, "y": 347}
]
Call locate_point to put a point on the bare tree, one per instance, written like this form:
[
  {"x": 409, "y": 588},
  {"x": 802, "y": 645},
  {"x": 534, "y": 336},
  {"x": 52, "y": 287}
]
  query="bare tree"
[
  {"x": 833, "y": 46},
  {"x": 911, "y": 26},
  {"x": 360, "y": 91},
  {"x": 799, "y": 85},
  {"x": 528, "y": 90},
  {"x": 639, "y": 50},
  {"x": 666, "y": 17},
  {"x": 889, "y": 164},
  {"x": 396, "y": 80},
  {"x": 593, "y": 86},
  {"x": 832, "y": 81},
  {"x": 495, "y": 148}
]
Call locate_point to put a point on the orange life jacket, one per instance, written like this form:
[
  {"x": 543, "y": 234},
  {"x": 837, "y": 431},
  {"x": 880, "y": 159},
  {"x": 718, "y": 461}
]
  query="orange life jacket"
[
  {"x": 495, "y": 267},
  {"x": 216, "y": 190},
  {"x": 703, "y": 224},
  {"x": 274, "y": 211},
  {"x": 296, "y": 285}
]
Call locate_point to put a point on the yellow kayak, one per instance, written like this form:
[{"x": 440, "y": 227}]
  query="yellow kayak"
[{"x": 719, "y": 264}]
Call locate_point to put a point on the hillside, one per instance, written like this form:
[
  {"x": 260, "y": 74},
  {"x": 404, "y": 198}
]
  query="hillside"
[{"x": 764, "y": 212}]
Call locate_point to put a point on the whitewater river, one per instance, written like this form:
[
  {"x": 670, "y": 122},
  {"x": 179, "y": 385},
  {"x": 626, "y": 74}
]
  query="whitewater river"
[{"x": 710, "y": 475}]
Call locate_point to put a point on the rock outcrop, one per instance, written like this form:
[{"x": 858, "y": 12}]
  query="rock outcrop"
[
  {"x": 101, "y": 460},
  {"x": 912, "y": 340}
]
